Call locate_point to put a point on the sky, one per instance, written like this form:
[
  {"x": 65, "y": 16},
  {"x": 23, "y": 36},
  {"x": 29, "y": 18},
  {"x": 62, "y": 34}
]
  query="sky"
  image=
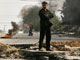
[{"x": 10, "y": 10}]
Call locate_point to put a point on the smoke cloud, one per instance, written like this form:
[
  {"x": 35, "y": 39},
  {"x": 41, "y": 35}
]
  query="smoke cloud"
[{"x": 71, "y": 12}]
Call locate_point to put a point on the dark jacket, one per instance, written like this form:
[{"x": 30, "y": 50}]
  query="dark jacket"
[{"x": 44, "y": 20}]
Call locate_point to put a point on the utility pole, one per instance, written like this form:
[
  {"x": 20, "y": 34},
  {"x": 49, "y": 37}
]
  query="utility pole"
[{"x": 4, "y": 27}]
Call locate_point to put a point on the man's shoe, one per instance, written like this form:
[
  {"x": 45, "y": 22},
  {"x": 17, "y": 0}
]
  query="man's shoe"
[{"x": 42, "y": 49}]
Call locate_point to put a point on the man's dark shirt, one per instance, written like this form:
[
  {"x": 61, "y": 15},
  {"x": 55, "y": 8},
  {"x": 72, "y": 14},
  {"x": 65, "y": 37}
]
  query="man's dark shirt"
[{"x": 44, "y": 20}]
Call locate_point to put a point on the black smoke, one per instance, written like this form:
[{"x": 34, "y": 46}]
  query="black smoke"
[
  {"x": 71, "y": 12},
  {"x": 31, "y": 15}
]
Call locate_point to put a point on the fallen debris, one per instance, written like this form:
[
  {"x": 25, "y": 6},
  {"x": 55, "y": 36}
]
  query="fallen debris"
[
  {"x": 60, "y": 50},
  {"x": 7, "y": 51},
  {"x": 75, "y": 43}
]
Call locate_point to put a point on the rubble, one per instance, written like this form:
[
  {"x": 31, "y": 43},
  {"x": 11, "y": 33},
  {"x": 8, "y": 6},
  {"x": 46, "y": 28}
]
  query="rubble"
[
  {"x": 60, "y": 50},
  {"x": 7, "y": 51},
  {"x": 75, "y": 43}
]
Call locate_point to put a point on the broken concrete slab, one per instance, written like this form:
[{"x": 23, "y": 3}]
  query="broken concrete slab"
[
  {"x": 43, "y": 53},
  {"x": 51, "y": 54}
]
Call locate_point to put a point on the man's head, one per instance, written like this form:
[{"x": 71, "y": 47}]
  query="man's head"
[{"x": 44, "y": 5}]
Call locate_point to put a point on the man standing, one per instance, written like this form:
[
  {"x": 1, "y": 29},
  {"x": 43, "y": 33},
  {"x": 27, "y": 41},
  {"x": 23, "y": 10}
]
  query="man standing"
[
  {"x": 45, "y": 24},
  {"x": 30, "y": 29}
]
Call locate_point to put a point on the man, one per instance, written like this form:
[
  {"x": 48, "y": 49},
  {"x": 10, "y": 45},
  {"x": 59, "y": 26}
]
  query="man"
[
  {"x": 30, "y": 29},
  {"x": 45, "y": 24}
]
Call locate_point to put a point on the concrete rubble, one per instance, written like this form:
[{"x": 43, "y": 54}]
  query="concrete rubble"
[
  {"x": 60, "y": 51},
  {"x": 7, "y": 51}
]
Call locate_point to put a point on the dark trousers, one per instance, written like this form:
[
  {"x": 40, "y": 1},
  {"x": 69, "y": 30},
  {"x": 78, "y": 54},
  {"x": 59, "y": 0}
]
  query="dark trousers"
[
  {"x": 30, "y": 32},
  {"x": 45, "y": 31}
]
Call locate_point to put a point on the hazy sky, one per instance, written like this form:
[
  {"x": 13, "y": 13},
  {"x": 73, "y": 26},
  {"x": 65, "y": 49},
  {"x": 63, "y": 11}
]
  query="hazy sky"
[{"x": 10, "y": 9}]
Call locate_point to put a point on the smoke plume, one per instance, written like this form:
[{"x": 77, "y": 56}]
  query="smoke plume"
[{"x": 71, "y": 12}]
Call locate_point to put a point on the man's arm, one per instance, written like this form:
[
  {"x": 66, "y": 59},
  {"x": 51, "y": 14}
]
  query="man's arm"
[
  {"x": 49, "y": 15},
  {"x": 42, "y": 15}
]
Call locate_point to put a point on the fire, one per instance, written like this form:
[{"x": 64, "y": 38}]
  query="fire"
[{"x": 8, "y": 36}]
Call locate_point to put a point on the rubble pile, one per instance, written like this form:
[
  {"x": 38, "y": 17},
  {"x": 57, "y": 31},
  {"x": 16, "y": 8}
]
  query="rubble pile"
[
  {"x": 73, "y": 47},
  {"x": 7, "y": 51},
  {"x": 70, "y": 48},
  {"x": 69, "y": 43}
]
